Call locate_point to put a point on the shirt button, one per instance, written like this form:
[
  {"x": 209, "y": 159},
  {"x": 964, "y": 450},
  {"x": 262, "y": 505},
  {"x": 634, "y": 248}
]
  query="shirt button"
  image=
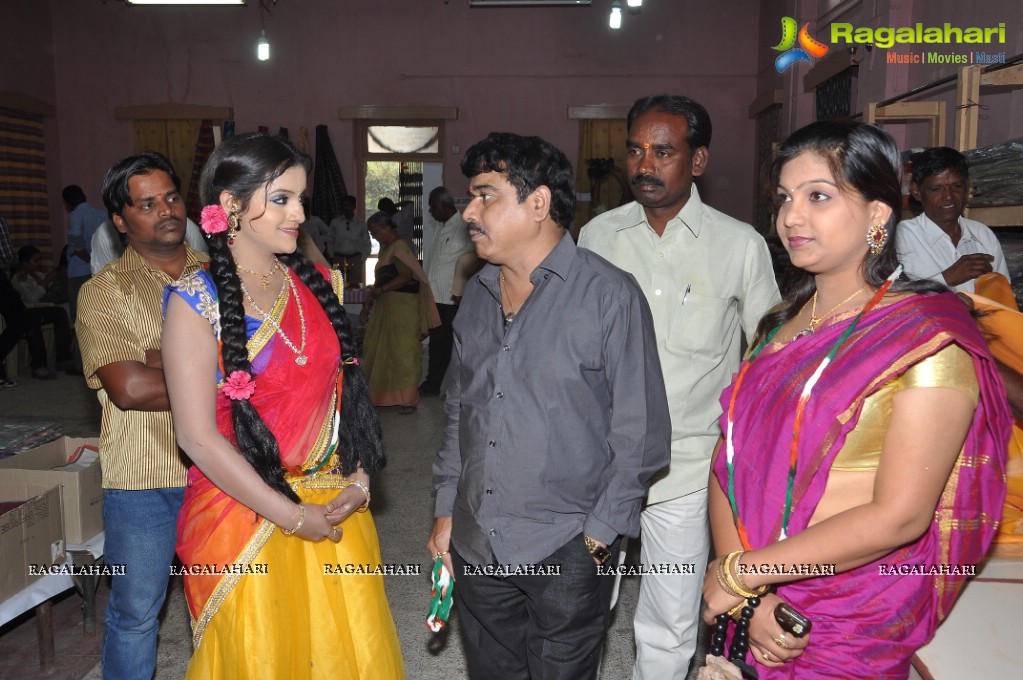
[
  {"x": 500, "y": 395},
  {"x": 657, "y": 292},
  {"x": 507, "y": 348},
  {"x": 660, "y": 254},
  {"x": 490, "y": 491},
  {"x": 493, "y": 532},
  {"x": 546, "y": 276},
  {"x": 492, "y": 443}
]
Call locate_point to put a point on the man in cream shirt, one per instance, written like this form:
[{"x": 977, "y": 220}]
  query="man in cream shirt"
[{"x": 708, "y": 279}]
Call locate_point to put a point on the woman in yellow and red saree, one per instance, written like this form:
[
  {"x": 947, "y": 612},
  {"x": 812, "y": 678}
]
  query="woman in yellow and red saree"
[
  {"x": 861, "y": 474},
  {"x": 270, "y": 405}
]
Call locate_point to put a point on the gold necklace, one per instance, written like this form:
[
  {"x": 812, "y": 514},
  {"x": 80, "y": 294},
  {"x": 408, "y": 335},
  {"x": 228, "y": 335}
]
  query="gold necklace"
[
  {"x": 264, "y": 279},
  {"x": 815, "y": 320},
  {"x": 508, "y": 316},
  {"x": 301, "y": 359}
]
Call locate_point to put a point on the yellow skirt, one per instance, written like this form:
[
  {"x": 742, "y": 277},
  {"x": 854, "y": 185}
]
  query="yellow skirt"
[{"x": 298, "y": 622}]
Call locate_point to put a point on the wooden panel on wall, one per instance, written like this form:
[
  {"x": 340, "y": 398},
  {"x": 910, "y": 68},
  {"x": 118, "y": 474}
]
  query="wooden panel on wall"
[{"x": 172, "y": 111}]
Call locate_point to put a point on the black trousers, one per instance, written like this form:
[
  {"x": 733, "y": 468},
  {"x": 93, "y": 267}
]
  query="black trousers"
[
  {"x": 16, "y": 320},
  {"x": 39, "y": 316},
  {"x": 441, "y": 340},
  {"x": 548, "y": 627}
]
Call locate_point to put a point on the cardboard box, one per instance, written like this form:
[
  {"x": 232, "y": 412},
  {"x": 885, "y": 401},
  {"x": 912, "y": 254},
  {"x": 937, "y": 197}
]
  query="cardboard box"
[
  {"x": 30, "y": 534},
  {"x": 82, "y": 491}
]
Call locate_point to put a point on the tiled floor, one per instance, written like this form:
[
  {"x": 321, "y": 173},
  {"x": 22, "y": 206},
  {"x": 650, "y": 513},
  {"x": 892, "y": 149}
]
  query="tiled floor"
[{"x": 76, "y": 655}]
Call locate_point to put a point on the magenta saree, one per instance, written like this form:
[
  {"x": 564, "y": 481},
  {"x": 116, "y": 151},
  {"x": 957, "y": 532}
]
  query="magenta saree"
[{"x": 865, "y": 624}]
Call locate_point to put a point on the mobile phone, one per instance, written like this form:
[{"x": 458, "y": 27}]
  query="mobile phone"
[{"x": 791, "y": 620}]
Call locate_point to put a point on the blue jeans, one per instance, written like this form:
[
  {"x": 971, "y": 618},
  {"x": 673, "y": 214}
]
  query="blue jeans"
[{"x": 141, "y": 531}]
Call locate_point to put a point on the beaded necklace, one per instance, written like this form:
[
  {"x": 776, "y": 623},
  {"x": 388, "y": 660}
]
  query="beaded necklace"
[
  {"x": 300, "y": 358},
  {"x": 804, "y": 397}
]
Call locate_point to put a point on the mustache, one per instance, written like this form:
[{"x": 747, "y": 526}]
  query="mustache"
[
  {"x": 475, "y": 227},
  {"x": 646, "y": 179},
  {"x": 172, "y": 220}
]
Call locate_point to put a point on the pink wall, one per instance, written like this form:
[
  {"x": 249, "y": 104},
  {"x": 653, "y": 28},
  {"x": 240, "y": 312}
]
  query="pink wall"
[
  {"x": 510, "y": 69},
  {"x": 505, "y": 69}
]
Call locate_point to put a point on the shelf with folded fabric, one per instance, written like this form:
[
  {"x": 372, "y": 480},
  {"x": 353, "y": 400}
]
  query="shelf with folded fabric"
[{"x": 967, "y": 123}]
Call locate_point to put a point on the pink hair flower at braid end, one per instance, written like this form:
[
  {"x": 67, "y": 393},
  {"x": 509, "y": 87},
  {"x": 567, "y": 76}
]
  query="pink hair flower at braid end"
[
  {"x": 213, "y": 219},
  {"x": 353, "y": 361},
  {"x": 239, "y": 385}
]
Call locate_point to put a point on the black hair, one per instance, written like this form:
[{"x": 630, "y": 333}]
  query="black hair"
[
  {"x": 937, "y": 160},
  {"x": 26, "y": 253},
  {"x": 696, "y": 116},
  {"x": 864, "y": 160},
  {"x": 529, "y": 163},
  {"x": 349, "y": 199},
  {"x": 442, "y": 196},
  {"x": 387, "y": 205},
  {"x": 73, "y": 195},
  {"x": 116, "y": 194},
  {"x": 242, "y": 165},
  {"x": 383, "y": 219}
]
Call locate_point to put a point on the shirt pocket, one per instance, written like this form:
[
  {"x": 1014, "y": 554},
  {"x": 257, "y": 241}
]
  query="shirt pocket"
[{"x": 699, "y": 325}]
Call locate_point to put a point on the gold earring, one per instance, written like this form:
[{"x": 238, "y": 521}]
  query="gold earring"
[
  {"x": 877, "y": 239},
  {"x": 232, "y": 227}
]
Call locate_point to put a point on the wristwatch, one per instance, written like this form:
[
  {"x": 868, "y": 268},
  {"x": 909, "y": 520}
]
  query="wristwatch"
[{"x": 599, "y": 552}]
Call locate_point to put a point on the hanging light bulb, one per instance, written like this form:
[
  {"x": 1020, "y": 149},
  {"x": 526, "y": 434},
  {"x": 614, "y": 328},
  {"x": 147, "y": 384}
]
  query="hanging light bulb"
[
  {"x": 263, "y": 47},
  {"x": 616, "y": 15},
  {"x": 634, "y": 3}
]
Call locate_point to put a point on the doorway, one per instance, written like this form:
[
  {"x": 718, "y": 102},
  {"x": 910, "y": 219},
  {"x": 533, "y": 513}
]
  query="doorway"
[{"x": 393, "y": 160}]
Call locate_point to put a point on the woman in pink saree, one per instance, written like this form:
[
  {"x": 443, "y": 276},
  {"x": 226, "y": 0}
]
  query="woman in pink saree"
[{"x": 861, "y": 473}]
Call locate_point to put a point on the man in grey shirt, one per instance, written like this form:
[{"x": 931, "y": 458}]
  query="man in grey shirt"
[{"x": 557, "y": 420}]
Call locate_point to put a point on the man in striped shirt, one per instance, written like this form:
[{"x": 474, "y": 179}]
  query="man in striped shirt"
[{"x": 119, "y": 325}]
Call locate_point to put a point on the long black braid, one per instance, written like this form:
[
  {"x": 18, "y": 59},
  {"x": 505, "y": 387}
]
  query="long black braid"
[
  {"x": 240, "y": 166},
  {"x": 255, "y": 440}
]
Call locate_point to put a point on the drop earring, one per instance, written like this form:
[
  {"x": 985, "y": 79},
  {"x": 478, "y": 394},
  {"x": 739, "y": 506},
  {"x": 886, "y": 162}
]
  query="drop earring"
[{"x": 232, "y": 227}]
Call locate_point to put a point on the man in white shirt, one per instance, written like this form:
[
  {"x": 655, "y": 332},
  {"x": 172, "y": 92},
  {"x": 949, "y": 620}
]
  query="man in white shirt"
[
  {"x": 708, "y": 280},
  {"x": 351, "y": 245},
  {"x": 450, "y": 241},
  {"x": 940, "y": 244}
]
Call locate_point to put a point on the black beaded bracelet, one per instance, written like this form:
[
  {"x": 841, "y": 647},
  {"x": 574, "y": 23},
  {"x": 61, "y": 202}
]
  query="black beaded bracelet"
[{"x": 740, "y": 640}]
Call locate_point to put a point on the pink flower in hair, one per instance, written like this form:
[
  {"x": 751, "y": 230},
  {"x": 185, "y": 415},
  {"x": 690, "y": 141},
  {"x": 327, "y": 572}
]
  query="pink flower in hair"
[
  {"x": 213, "y": 219},
  {"x": 239, "y": 385}
]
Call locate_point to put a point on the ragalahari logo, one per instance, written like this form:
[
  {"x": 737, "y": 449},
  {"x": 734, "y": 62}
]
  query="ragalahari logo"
[{"x": 808, "y": 47}]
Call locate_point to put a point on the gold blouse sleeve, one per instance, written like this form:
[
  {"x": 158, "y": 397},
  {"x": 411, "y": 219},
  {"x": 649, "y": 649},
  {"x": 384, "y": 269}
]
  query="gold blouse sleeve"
[{"x": 950, "y": 367}]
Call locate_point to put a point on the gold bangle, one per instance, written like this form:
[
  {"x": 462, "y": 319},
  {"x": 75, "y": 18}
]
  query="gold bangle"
[
  {"x": 365, "y": 506},
  {"x": 741, "y": 582},
  {"x": 723, "y": 582},
  {"x": 736, "y": 611},
  {"x": 301, "y": 521},
  {"x": 735, "y": 582}
]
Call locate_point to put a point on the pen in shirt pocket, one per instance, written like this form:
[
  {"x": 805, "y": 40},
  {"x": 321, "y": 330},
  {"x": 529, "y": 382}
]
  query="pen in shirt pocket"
[{"x": 685, "y": 295}]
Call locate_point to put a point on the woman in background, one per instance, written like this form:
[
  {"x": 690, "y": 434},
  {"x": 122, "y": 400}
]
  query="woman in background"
[
  {"x": 270, "y": 404},
  {"x": 866, "y": 432},
  {"x": 401, "y": 311}
]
